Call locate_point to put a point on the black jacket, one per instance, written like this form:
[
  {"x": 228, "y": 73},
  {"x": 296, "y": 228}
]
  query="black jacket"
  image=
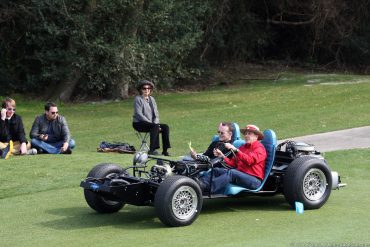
[
  {"x": 60, "y": 127},
  {"x": 219, "y": 145},
  {"x": 12, "y": 129}
]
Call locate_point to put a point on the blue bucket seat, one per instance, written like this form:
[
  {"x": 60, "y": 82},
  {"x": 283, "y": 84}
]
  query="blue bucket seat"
[{"x": 269, "y": 142}]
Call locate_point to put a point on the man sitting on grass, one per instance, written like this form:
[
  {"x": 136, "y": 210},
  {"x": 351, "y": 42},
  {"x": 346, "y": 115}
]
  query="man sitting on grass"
[{"x": 50, "y": 132}]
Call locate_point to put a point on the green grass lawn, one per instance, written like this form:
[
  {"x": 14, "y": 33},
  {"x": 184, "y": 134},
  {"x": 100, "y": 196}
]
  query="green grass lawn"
[{"x": 42, "y": 205}]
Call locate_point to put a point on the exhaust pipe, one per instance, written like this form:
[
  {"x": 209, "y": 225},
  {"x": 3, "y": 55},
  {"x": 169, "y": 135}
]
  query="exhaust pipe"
[{"x": 336, "y": 181}]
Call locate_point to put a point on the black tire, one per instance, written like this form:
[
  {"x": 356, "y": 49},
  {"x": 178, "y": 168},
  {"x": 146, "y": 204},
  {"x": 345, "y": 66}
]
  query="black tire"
[
  {"x": 98, "y": 202},
  {"x": 308, "y": 180},
  {"x": 178, "y": 201}
]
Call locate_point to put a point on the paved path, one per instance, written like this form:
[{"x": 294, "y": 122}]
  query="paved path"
[{"x": 338, "y": 140}]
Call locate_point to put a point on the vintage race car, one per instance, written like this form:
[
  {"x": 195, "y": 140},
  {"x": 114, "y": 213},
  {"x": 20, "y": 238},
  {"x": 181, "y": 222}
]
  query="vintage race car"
[{"x": 296, "y": 170}]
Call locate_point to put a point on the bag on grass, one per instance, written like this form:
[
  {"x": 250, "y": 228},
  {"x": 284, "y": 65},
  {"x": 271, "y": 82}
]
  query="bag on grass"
[{"x": 120, "y": 147}]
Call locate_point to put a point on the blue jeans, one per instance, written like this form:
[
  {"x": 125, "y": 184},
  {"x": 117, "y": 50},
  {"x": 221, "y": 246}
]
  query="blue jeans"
[
  {"x": 51, "y": 148},
  {"x": 244, "y": 180},
  {"x": 219, "y": 180},
  {"x": 222, "y": 177}
]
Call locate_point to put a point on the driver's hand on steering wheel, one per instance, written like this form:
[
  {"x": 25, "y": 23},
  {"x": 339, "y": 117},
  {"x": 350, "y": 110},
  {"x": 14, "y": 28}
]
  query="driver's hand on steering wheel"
[
  {"x": 230, "y": 146},
  {"x": 217, "y": 152}
]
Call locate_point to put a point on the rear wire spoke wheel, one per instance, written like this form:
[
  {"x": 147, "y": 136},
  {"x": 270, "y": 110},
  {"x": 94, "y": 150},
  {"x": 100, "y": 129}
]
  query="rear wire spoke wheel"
[
  {"x": 314, "y": 184},
  {"x": 97, "y": 201},
  {"x": 307, "y": 180}
]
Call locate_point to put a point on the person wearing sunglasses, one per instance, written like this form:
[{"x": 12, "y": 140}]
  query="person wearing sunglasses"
[
  {"x": 225, "y": 133},
  {"x": 12, "y": 131},
  {"x": 50, "y": 132},
  {"x": 146, "y": 118},
  {"x": 248, "y": 163}
]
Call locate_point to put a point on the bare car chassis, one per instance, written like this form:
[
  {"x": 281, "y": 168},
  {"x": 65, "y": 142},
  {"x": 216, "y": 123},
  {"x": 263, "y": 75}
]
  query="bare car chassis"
[{"x": 298, "y": 171}]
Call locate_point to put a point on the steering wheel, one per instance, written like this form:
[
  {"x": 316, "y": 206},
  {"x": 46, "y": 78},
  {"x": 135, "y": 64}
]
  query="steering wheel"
[
  {"x": 220, "y": 160},
  {"x": 216, "y": 160}
]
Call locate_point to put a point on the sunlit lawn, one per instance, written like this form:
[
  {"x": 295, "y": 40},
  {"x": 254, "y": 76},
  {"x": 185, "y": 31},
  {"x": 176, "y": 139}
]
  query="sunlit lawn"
[{"x": 41, "y": 202}]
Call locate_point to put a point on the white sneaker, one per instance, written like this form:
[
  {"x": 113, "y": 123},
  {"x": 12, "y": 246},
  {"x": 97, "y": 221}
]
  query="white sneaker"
[{"x": 32, "y": 151}]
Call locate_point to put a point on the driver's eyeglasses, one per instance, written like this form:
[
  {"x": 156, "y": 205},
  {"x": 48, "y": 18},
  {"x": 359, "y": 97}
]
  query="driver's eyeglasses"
[
  {"x": 10, "y": 109},
  {"x": 53, "y": 112},
  {"x": 146, "y": 88}
]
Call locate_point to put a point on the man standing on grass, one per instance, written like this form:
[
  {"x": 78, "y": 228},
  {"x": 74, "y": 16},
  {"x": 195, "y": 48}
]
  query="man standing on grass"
[{"x": 50, "y": 132}]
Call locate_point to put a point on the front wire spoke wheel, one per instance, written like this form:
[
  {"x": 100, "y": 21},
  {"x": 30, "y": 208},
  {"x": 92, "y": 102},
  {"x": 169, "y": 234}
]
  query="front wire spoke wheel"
[
  {"x": 184, "y": 202},
  {"x": 178, "y": 201}
]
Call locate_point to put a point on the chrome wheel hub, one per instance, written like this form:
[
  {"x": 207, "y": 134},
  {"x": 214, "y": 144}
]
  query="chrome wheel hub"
[
  {"x": 184, "y": 202},
  {"x": 314, "y": 184}
]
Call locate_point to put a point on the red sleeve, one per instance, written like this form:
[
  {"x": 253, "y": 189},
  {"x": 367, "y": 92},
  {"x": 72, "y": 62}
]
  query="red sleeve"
[
  {"x": 230, "y": 162},
  {"x": 251, "y": 157}
]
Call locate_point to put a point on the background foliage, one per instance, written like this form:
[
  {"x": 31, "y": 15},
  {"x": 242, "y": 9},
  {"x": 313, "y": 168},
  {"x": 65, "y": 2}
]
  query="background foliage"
[{"x": 66, "y": 49}]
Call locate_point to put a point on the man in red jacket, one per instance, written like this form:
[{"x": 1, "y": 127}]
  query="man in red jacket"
[{"x": 248, "y": 163}]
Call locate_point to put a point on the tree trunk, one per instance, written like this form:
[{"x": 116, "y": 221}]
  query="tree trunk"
[
  {"x": 122, "y": 87},
  {"x": 123, "y": 83},
  {"x": 64, "y": 90}
]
